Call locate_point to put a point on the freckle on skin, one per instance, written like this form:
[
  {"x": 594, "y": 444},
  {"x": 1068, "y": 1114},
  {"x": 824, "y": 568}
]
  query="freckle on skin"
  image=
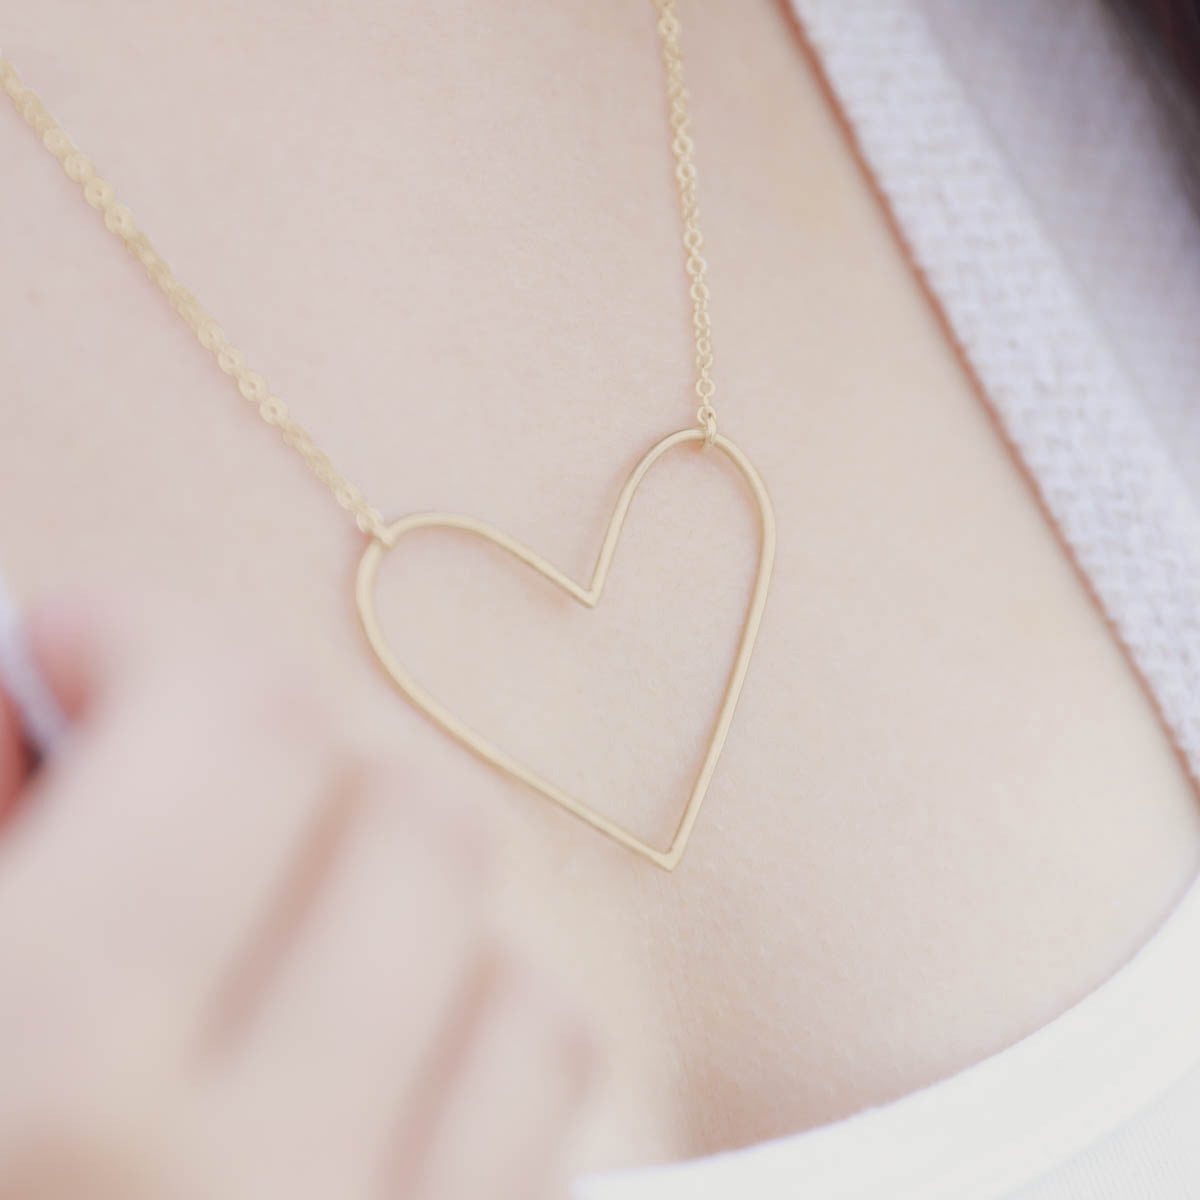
[{"x": 33, "y": 296}]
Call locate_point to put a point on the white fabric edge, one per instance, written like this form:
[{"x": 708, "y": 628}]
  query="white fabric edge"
[
  {"x": 992, "y": 1127},
  {"x": 1065, "y": 404}
]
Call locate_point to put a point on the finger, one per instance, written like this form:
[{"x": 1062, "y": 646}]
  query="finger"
[
  {"x": 502, "y": 1129},
  {"x": 340, "y": 1046},
  {"x": 167, "y": 825}
]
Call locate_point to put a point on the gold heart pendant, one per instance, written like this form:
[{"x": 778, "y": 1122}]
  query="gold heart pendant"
[{"x": 368, "y": 569}]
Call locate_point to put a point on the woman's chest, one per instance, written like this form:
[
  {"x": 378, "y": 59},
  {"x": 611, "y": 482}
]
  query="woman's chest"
[{"x": 941, "y": 771}]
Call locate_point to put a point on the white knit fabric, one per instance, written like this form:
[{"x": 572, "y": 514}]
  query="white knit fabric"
[
  {"x": 1020, "y": 154},
  {"x": 1054, "y": 379},
  {"x": 1082, "y": 132}
]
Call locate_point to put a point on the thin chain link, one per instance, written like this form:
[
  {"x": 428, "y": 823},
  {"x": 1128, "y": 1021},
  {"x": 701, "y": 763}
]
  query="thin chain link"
[
  {"x": 252, "y": 386},
  {"x": 683, "y": 148}
]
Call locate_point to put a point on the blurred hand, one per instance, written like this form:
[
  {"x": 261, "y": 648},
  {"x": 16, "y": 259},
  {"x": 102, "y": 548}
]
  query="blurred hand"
[{"x": 237, "y": 960}]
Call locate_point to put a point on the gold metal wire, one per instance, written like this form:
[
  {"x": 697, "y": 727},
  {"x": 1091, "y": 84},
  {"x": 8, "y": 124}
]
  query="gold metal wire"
[
  {"x": 119, "y": 220},
  {"x": 588, "y": 596},
  {"x": 253, "y": 387},
  {"x": 383, "y": 535}
]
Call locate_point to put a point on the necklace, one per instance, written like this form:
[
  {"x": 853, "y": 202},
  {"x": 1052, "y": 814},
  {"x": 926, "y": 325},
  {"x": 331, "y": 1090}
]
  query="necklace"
[{"x": 383, "y": 536}]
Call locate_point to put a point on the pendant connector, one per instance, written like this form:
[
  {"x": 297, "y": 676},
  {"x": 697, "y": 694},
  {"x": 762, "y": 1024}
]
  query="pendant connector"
[{"x": 707, "y": 416}]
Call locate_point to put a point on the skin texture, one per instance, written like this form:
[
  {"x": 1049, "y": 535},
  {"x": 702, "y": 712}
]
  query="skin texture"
[
  {"x": 216, "y": 999},
  {"x": 947, "y": 809}
]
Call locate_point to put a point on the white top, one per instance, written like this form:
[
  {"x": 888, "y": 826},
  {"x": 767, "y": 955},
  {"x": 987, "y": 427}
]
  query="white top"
[
  {"x": 1025, "y": 163},
  {"x": 1018, "y": 149}
]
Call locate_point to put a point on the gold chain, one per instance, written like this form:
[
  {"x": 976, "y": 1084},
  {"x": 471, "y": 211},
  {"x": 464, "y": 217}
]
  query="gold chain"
[
  {"x": 683, "y": 148},
  {"x": 253, "y": 386},
  {"x": 119, "y": 220}
]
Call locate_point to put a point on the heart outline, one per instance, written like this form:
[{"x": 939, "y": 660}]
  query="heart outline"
[{"x": 589, "y": 596}]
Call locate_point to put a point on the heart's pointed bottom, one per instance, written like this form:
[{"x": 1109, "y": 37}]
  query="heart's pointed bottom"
[{"x": 368, "y": 570}]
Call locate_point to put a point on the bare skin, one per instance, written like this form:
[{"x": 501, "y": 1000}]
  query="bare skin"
[
  {"x": 214, "y": 996},
  {"x": 948, "y": 808}
]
